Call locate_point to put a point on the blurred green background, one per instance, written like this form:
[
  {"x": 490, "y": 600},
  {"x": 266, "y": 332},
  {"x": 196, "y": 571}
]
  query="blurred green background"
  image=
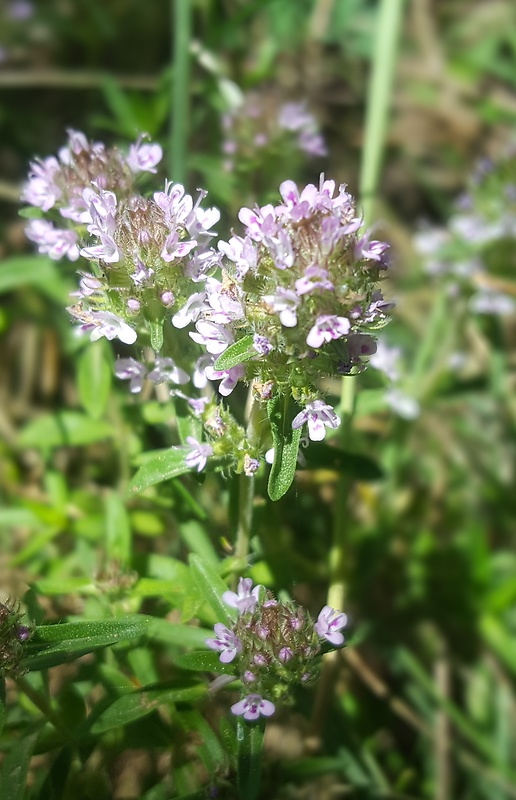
[{"x": 423, "y": 703}]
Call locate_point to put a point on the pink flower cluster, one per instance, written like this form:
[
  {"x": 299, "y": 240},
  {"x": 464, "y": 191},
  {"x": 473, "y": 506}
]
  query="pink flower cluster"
[
  {"x": 273, "y": 645},
  {"x": 303, "y": 282}
]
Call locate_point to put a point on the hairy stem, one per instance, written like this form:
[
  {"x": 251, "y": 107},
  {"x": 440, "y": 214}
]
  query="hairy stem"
[{"x": 181, "y": 22}]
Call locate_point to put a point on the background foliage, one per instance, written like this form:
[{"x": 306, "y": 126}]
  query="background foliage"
[{"x": 421, "y": 705}]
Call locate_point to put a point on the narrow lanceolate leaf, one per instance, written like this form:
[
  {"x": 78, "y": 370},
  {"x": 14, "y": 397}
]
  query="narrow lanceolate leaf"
[
  {"x": 57, "y": 644},
  {"x": 204, "y": 661},
  {"x": 94, "y": 378},
  {"x": 15, "y": 767},
  {"x": 249, "y": 759},
  {"x": 211, "y": 587},
  {"x": 138, "y": 704},
  {"x": 286, "y": 446},
  {"x": 165, "y": 465},
  {"x": 237, "y": 352},
  {"x": 64, "y": 429},
  {"x": 3, "y": 706},
  {"x": 118, "y": 530}
]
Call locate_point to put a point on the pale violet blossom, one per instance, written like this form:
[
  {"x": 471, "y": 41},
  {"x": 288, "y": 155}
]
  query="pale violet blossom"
[
  {"x": 319, "y": 416},
  {"x": 108, "y": 325},
  {"x": 386, "y": 359},
  {"x": 228, "y": 378},
  {"x": 252, "y": 707},
  {"x": 328, "y": 625},
  {"x": 284, "y": 303},
  {"x": 327, "y": 327},
  {"x": 165, "y": 370},
  {"x": 214, "y": 337},
  {"x": 402, "y": 404},
  {"x": 198, "y": 454},
  {"x": 226, "y": 642},
  {"x": 55, "y": 242},
  {"x": 128, "y": 369},
  {"x": 190, "y": 311},
  {"x": 143, "y": 157},
  {"x": 245, "y": 598}
]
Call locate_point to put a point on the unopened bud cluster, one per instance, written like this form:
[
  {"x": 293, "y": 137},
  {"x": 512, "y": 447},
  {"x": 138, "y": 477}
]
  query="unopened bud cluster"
[
  {"x": 13, "y": 635},
  {"x": 273, "y": 646}
]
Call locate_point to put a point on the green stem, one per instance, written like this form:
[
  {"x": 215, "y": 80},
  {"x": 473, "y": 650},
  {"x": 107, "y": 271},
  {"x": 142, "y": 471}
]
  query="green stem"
[
  {"x": 249, "y": 760},
  {"x": 40, "y": 701},
  {"x": 245, "y": 516},
  {"x": 181, "y": 29},
  {"x": 378, "y": 101}
]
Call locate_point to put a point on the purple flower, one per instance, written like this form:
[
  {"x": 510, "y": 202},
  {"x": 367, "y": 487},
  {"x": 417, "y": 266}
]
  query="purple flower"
[
  {"x": 314, "y": 278},
  {"x": 319, "y": 416},
  {"x": 328, "y": 625},
  {"x": 57, "y": 243},
  {"x": 252, "y": 707},
  {"x": 326, "y": 328},
  {"x": 245, "y": 598},
  {"x": 226, "y": 642},
  {"x": 128, "y": 369},
  {"x": 198, "y": 455},
  {"x": 175, "y": 204},
  {"x": 402, "y": 404},
  {"x": 261, "y": 344},
  {"x": 386, "y": 359},
  {"x": 214, "y": 337},
  {"x": 284, "y": 303},
  {"x": 108, "y": 325},
  {"x": 41, "y": 189},
  {"x": 190, "y": 311},
  {"x": 173, "y": 248},
  {"x": 165, "y": 370},
  {"x": 230, "y": 377},
  {"x": 144, "y": 157}
]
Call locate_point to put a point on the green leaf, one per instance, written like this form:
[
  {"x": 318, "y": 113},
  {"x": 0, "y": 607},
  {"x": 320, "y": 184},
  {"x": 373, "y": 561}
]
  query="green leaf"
[
  {"x": 286, "y": 446},
  {"x": 156, "y": 334},
  {"x": 209, "y": 748},
  {"x": 3, "y": 705},
  {"x": 204, "y": 661},
  {"x": 54, "y": 784},
  {"x": 118, "y": 530},
  {"x": 249, "y": 758},
  {"x": 212, "y": 587},
  {"x": 323, "y": 456},
  {"x": 20, "y": 271},
  {"x": 197, "y": 540},
  {"x": 57, "y": 644},
  {"x": 15, "y": 767},
  {"x": 94, "y": 378},
  {"x": 138, "y": 704},
  {"x": 64, "y": 429},
  {"x": 30, "y": 212},
  {"x": 187, "y": 423},
  {"x": 237, "y": 352},
  {"x": 162, "y": 467},
  {"x": 161, "y": 630}
]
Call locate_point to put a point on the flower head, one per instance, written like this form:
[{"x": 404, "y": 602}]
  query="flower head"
[
  {"x": 252, "y": 707},
  {"x": 328, "y": 625},
  {"x": 245, "y": 598},
  {"x": 198, "y": 454},
  {"x": 226, "y": 642},
  {"x": 319, "y": 416}
]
